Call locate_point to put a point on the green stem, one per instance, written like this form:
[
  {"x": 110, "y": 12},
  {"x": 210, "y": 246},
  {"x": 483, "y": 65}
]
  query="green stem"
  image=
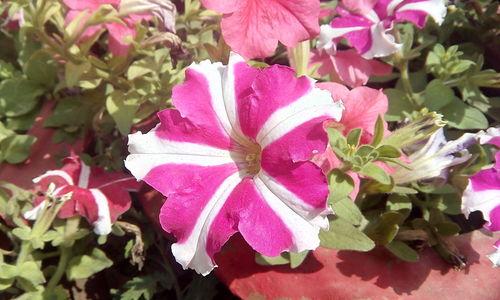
[
  {"x": 23, "y": 254},
  {"x": 300, "y": 57},
  {"x": 61, "y": 268}
]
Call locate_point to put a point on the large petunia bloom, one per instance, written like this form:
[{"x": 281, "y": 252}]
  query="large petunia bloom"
[
  {"x": 362, "y": 105},
  {"x": 367, "y": 24},
  {"x": 117, "y": 32},
  {"x": 347, "y": 66},
  {"x": 235, "y": 157},
  {"x": 483, "y": 192},
  {"x": 253, "y": 27},
  {"x": 98, "y": 196}
]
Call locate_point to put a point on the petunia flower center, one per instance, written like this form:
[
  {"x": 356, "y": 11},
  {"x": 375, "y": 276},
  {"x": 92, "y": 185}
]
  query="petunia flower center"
[{"x": 249, "y": 159}]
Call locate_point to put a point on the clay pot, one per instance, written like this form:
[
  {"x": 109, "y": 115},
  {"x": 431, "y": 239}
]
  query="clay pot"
[{"x": 344, "y": 275}]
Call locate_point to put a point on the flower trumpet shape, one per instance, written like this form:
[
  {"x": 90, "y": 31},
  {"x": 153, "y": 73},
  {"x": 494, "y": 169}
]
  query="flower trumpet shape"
[
  {"x": 235, "y": 157},
  {"x": 367, "y": 24},
  {"x": 98, "y": 196}
]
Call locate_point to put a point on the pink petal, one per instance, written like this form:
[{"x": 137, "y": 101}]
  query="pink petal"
[
  {"x": 247, "y": 212},
  {"x": 91, "y": 5},
  {"x": 255, "y": 109},
  {"x": 416, "y": 11},
  {"x": 255, "y": 28},
  {"x": 117, "y": 34},
  {"x": 222, "y": 6},
  {"x": 358, "y": 6}
]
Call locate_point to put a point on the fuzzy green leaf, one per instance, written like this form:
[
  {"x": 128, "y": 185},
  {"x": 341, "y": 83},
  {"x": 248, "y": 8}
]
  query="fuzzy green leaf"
[
  {"x": 340, "y": 185},
  {"x": 437, "y": 95},
  {"x": 282, "y": 259},
  {"x": 296, "y": 259},
  {"x": 461, "y": 116},
  {"x": 16, "y": 148},
  {"x": 18, "y": 96},
  {"x": 85, "y": 266},
  {"x": 345, "y": 236},
  {"x": 376, "y": 172},
  {"x": 403, "y": 251}
]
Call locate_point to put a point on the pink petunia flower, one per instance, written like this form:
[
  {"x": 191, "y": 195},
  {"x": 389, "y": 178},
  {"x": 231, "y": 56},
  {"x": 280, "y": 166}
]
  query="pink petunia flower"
[
  {"x": 367, "y": 24},
  {"x": 347, "y": 66},
  {"x": 253, "y": 27},
  {"x": 483, "y": 192},
  {"x": 235, "y": 157},
  {"x": 117, "y": 32},
  {"x": 14, "y": 22},
  {"x": 98, "y": 196},
  {"x": 362, "y": 105}
]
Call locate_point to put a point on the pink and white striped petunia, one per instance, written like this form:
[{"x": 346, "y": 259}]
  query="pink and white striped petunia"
[
  {"x": 98, "y": 196},
  {"x": 367, "y": 24},
  {"x": 234, "y": 157},
  {"x": 483, "y": 192}
]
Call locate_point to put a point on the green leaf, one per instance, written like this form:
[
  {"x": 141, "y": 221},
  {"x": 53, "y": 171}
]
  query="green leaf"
[
  {"x": 7, "y": 70},
  {"x": 354, "y": 136},
  {"x": 378, "y": 134},
  {"x": 384, "y": 229},
  {"x": 85, "y": 266},
  {"x": 73, "y": 72},
  {"x": 7, "y": 271},
  {"x": 450, "y": 204},
  {"x": 122, "y": 109},
  {"x": 399, "y": 105},
  {"x": 399, "y": 203},
  {"x": 18, "y": 96},
  {"x": 31, "y": 272},
  {"x": 437, "y": 95},
  {"x": 461, "y": 116},
  {"x": 340, "y": 185},
  {"x": 403, "y": 251},
  {"x": 282, "y": 259},
  {"x": 145, "y": 287},
  {"x": 70, "y": 111},
  {"x": 16, "y": 148},
  {"x": 23, "y": 233},
  {"x": 347, "y": 210},
  {"x": 461, "y": 66},
  {"x": 376, "y": 172},
  {"x": 41, "y": 69},
  {"x": 141, "y": 67},
  {"x": 447, "y": 228},
  {"x": 296, "y": 259},
  {"x": 388, "y": 151},
  {"x": 345, "y": 236}
]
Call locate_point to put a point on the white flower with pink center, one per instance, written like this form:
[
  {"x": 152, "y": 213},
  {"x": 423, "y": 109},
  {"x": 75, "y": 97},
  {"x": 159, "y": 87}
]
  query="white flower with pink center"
[
  {"x": 367, "y": 24},
  {"x": 234, "y": 157}
]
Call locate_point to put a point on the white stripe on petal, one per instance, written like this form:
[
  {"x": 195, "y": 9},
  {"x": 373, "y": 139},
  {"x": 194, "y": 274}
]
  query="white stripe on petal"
[
  {"x": 328, "y": 33},
  {"x": 35, "y": 212},
  {"x": 223, "y": 102},
  {"x": 484, "y": 201},
  {"x": 313, "y": 215},
  {"x": 383, "y": 44},
  {"x": 495, "y": 258},
  {"x": 230, "y": 95},
  {"x": 305, "y": 234},
  {"x": 392, "y": 5},
  {"x": 103, "y": 224},
  {"x": 314, "y": 104},
  {"x": 192, "y": 253},
  {"x": 83, "y": 179},
  {"x": 58, "y": 173},
  {"x": 434, "y": 8},
  {"x": 148, "y": 151}
]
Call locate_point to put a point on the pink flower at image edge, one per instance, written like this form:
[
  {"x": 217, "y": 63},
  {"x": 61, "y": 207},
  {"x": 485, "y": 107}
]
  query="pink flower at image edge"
[{"x": 253, "y": 27}]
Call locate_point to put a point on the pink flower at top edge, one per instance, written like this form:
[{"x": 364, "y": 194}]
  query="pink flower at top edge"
[
  {"x": 483, "y": 192},
  {"x": 362, "y": 105},
  {"x": 234, "y": 157},
  {"x": 253, "y": 27},
  {"x": 367, "y": 24},
  {"x": 98, "y": 196},
  {"x": 117, "y": 32},
  {"x": 347, "y": 66}
]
